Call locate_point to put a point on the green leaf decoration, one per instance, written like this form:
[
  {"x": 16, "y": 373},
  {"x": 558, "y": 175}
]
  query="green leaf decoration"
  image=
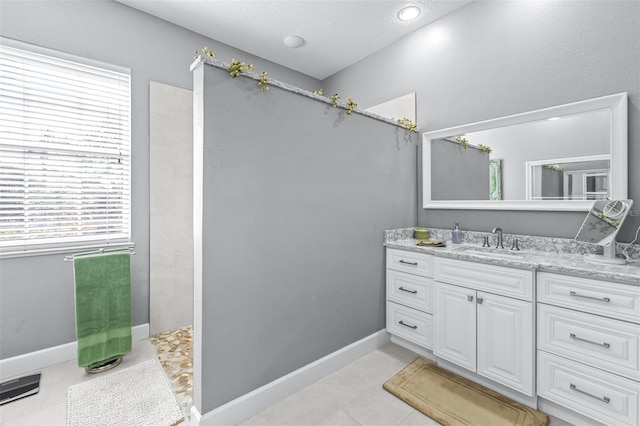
[
  {"x": 236, "y": 67},
  {"x": 206, "y": 52},
  {"x": 484, "y": 148},
  {"x": 410, "y": 125},
  {"x": 351, "y": 106},
  {"x": 262, "y": 83},
  {"x": 462, "y": 141}
]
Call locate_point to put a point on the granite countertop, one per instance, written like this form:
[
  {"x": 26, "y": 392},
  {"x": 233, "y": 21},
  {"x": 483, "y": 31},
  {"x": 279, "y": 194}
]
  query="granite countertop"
[{"x": 564, "y": 263}]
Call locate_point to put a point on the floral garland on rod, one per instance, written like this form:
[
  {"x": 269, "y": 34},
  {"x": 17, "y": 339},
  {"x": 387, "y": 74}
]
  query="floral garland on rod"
[
  {"x": 410, "y": 125},
  {"x": 237, "y": 68},
  {"x": 335, "y": 99},
  {"x": 464, "y": 143}
]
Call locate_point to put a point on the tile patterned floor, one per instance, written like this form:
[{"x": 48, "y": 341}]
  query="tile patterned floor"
[
  {"x": 352, "y": 395},
  {"x": 49, "y": 406},
  {"x": 175, "y": 352}
]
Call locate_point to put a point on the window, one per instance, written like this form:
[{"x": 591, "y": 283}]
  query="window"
[{"x": 64, "y": 151}]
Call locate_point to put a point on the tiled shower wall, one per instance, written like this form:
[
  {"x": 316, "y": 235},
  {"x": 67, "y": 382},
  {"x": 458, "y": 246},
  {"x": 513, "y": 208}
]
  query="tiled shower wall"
[{"x": 171, "y": 207}]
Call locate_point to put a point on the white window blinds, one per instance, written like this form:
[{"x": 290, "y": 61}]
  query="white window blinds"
[{"x": 64, "y": 152}]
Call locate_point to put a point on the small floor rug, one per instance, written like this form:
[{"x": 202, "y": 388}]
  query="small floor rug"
[
  {"x": 138, "y": 395},
  {"x": 453, "y": 400}
]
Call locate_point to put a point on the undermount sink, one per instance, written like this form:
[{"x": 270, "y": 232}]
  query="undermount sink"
[{"x": 492, "y": 252}]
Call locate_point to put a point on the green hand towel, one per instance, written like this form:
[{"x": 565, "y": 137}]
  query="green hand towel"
[{"x": 103, "y": 307}]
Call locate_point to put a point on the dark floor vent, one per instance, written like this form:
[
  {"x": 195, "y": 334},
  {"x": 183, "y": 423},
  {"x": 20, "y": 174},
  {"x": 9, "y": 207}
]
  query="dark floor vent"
[{"x": 19, "y": 388}]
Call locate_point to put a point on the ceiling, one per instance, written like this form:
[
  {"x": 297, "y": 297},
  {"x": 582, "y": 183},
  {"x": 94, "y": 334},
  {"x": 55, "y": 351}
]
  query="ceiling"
[{"x": 337, "y": 33}]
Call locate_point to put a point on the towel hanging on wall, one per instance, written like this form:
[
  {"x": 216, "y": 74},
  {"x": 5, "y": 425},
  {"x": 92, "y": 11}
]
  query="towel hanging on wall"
[{"x": 103, "y": 306}]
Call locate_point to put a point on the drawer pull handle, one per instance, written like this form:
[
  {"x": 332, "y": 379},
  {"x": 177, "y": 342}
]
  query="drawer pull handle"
[
  {"x": 574, "y": 337},
  {"x": 408, "y": 263},
  {"x": 599, "y": 398},
  {"x": 601, "y": 299},
  {"x": 407, "y": 325},
  {"x": 408, "y": 291}
]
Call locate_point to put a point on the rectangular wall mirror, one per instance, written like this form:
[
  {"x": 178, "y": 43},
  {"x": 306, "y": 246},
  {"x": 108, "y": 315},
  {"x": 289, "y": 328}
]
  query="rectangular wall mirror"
[{"x": 558, "y": 158}]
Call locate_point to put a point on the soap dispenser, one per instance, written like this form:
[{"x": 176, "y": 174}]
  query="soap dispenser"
[{"x": 456, "y": 235}]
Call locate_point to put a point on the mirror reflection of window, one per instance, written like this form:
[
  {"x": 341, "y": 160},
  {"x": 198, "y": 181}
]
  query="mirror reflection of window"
[
  {"x": 595, "y": 185},
  {"x": 578, "y": 178}
]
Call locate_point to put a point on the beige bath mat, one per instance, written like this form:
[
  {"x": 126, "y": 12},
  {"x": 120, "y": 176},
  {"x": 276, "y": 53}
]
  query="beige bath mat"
[
  {"x": 138, "y": 395},
  {"x": 453, "y": 400}
]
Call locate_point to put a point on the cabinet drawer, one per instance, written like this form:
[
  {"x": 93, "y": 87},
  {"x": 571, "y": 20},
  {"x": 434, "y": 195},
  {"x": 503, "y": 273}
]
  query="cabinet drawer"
[
  {"x": 619, "y": 301},
  {"x": 505, "y": 281},
  {"x": 605, "y": 397},
  {"x": 601, "y": 342},
  {"x": 409, "y": 261},
  {"x": 410, "y": 324},
  {"x": 410, "y": 290}
]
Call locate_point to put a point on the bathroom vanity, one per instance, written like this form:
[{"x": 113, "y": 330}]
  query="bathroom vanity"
[
  {"x": 542, "y": 326},
  {"x": 483, "y": 320},
  {"x": 546, "y": 329}
]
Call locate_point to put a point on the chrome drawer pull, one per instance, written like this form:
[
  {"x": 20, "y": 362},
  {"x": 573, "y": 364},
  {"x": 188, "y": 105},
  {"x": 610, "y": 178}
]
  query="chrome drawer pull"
[
  {"x": 408, "y": 291},
  {"x": 600, "y": 299},
  {"x": 408, "y": 263},
  {"x": 599, "y": 398},
  {"x": 573, "y": 336},
  {"x": 407, "y": 325}
]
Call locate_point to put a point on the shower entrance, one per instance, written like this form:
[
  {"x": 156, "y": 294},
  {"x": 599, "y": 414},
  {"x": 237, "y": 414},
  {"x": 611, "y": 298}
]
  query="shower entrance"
[{"x": 171, "y": 234}]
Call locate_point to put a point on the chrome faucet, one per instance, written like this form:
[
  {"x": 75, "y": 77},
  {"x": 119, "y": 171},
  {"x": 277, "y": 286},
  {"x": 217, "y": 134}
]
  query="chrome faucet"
[{"x": 499, "y": 232}]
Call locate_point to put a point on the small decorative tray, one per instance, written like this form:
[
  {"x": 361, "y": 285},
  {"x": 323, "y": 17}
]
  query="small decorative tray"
[{"x": 431, "y": 243}]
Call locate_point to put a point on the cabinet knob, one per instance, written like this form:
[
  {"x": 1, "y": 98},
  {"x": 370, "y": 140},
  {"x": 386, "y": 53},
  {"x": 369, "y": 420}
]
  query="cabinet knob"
[
  {"x": 470, "y": 298},
  {"x": 480, "y": 300}
]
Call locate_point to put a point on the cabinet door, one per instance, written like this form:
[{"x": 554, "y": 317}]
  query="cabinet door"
[
  {"x": 505, "y": 341},
  {"x": 454, "y": 337}
]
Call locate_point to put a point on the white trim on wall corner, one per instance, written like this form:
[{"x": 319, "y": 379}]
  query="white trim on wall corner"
[
  {"x": 252, "y": 403},
  {"x": 32, "y": 361}
]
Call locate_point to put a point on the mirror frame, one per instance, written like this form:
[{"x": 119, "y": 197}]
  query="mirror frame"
[{"x": 617, "y": 106}]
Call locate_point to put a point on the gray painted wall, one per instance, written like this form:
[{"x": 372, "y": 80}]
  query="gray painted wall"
[
  {"x": 495, "y": 58},
  {"x": 458, "y": 173},
  {"x": 551, "y": 183},
  {"x": 296, "y": 196},
  {"x": 36, "y": 293}
]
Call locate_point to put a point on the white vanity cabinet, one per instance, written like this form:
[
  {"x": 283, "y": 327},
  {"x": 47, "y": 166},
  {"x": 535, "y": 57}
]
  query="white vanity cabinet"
[
  {"x": 410, "y": 296},
  {"x": 589, "y": 347},
  {"x": 484, "y": 320}
]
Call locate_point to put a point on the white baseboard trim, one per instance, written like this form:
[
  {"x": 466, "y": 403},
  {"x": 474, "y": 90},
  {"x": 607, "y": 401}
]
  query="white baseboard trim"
[
  {"x": 252, "y": 403},
  {"x": 32, "y": 361}
]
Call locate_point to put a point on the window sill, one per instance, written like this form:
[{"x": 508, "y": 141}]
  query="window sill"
[{"x": 63, "y": 250}]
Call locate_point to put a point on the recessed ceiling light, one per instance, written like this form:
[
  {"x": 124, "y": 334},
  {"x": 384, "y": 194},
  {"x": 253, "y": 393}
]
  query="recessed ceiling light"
[
  {"x": 409, "y": 13},
  {"x": 293, "y": 41},
  {"x": 554, "y": 118}
]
